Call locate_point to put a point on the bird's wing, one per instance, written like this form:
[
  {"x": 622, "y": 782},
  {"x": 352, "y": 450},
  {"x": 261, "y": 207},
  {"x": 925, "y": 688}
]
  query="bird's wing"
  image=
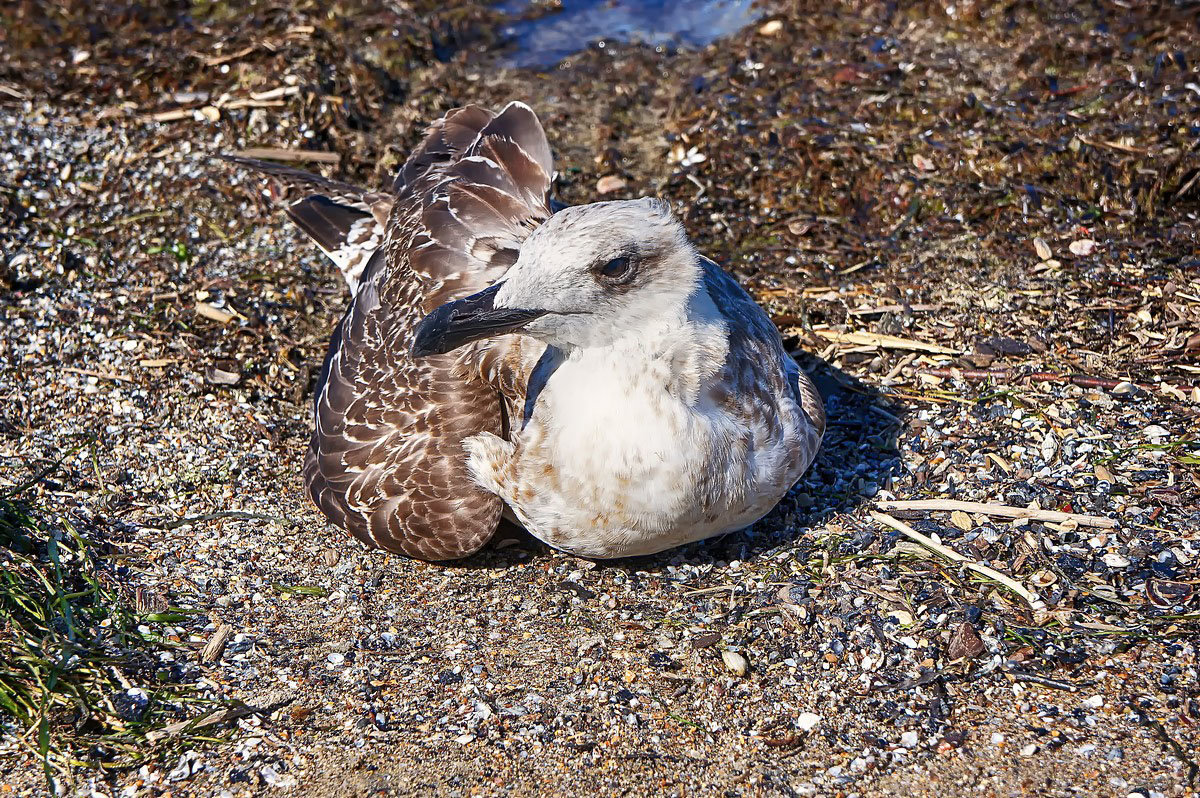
[
  {"x": 754, "y": 343},
  {"x": 387, "y": 460},
  {"x": 489, "y": 202},
  {"x": 346, "y": 222}
]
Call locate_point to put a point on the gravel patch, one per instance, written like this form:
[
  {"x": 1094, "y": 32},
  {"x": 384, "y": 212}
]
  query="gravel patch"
[{"x": 976, "y": 227}]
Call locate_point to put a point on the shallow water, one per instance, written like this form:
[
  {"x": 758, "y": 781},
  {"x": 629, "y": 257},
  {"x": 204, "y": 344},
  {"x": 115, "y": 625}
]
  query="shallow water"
[{"x": 546, "y": 40}]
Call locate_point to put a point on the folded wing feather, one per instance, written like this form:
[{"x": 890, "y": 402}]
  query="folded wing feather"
[{"x": 386, "y": 460}]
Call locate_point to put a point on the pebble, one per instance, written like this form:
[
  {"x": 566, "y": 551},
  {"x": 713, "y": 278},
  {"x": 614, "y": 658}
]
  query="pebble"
[
  {"x": 807, "y": 721},
  {"x": 609, "y": 183},
  {"x": 735, "y": 663}
]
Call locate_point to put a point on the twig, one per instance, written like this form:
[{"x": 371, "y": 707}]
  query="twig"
[
  {"x": 1013, "y": 375},
  {"x": 1004, "y": 511},
  {"x": 1034, "y": 376},
  {"x": 706, "y": 590},
  {"x": 212, "y": 61},
  {"x": 174, "y": 115},
  {"x": 1112, "y": 145},
  {"x": 1046, "y": 681},
  {"x": 954, "y": 556},
  {"x": 280, "y": 154},
  {"x": 103, "y": 375},
  {"x": 884, "y": 341},
  {"x": 214, "y": 718},
  {"x": 927, "y": 677},
  {"x": 918, "y": 308},
  {"x": 1180, "y": 752}
]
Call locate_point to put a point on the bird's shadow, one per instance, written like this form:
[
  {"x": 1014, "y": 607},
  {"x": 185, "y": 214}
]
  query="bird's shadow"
[{"x": 858, "y": 457}]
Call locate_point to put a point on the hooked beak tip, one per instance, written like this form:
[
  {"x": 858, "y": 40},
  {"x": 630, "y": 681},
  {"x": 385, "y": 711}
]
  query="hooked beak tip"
[
  {"x": 430, "y": 333},
  {"x": 465, "y": 320}
]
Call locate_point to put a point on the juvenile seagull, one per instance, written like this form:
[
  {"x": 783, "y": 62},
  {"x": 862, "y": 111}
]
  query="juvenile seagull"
[{"x": 586, "y": 372}]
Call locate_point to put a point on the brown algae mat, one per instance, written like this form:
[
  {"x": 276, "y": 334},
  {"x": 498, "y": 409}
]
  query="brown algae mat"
[{"x": 975, "y": 223}]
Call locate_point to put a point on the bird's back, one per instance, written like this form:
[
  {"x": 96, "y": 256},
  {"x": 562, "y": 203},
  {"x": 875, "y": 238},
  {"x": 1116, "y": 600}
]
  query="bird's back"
[
  {"x": 758, "y": 364},
  {"x": 386, "y": 458}
]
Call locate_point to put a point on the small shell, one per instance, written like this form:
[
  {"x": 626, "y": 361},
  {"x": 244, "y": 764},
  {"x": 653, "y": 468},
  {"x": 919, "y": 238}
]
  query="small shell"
[
  {"x": 808, "y": 720},
  {"x": 1044, "y": 578},
  {"x": 735, "y": 663},
  {"x": 1164, "y": 593}
]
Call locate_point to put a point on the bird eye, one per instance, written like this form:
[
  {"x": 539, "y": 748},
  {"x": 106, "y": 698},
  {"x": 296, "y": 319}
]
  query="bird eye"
[{"x": 616, "y": 269}]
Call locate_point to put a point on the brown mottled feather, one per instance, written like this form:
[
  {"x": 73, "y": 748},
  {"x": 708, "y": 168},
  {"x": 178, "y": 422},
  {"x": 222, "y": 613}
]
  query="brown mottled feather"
[{"x": 386, "y": 461}]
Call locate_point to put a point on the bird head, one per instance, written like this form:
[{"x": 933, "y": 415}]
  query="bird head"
[{"x": 588, "y": 276}]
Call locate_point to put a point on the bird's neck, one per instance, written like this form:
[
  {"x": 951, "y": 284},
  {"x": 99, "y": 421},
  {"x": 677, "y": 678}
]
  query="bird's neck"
[{"x": 679, "y": 347}]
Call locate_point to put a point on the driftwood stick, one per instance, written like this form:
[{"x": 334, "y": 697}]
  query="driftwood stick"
[
  {"x": 1007, "y": 375},
  {"x": 215, "y": 646},
  {"x": 1015, "y": 375},
  {"x": 863, "y": 338},
  {"x": 1001, "y": 510},
  {"x": 1045, "y": 681},
  {"x": 954, "y": 556},
  {"x": 192, "y": 519}
]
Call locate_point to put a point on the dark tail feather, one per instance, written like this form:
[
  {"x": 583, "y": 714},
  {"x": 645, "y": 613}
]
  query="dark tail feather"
[
  {"x": 345, "y": 221},
  {"x": 298, "y": 180}
]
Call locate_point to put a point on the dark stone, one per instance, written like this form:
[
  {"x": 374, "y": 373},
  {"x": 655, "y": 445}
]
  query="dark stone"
[{"x": 449, "y": 677}]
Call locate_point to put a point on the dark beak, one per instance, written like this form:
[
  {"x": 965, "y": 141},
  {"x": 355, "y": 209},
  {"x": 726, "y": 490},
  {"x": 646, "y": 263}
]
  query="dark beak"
[{"x": 465, "y": 320}]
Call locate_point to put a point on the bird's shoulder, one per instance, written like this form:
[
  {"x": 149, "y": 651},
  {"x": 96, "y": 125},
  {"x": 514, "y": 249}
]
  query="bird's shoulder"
[
  {"x": 753, "y": 340},
  {"x": 758, "y": 363}
]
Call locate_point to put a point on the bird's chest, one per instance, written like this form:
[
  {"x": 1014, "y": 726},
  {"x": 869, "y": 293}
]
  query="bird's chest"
[{"x": 608, "y": 438}]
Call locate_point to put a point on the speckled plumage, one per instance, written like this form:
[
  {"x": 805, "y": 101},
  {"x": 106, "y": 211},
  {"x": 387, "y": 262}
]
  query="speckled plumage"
[{"x": 421, "y": 455}]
